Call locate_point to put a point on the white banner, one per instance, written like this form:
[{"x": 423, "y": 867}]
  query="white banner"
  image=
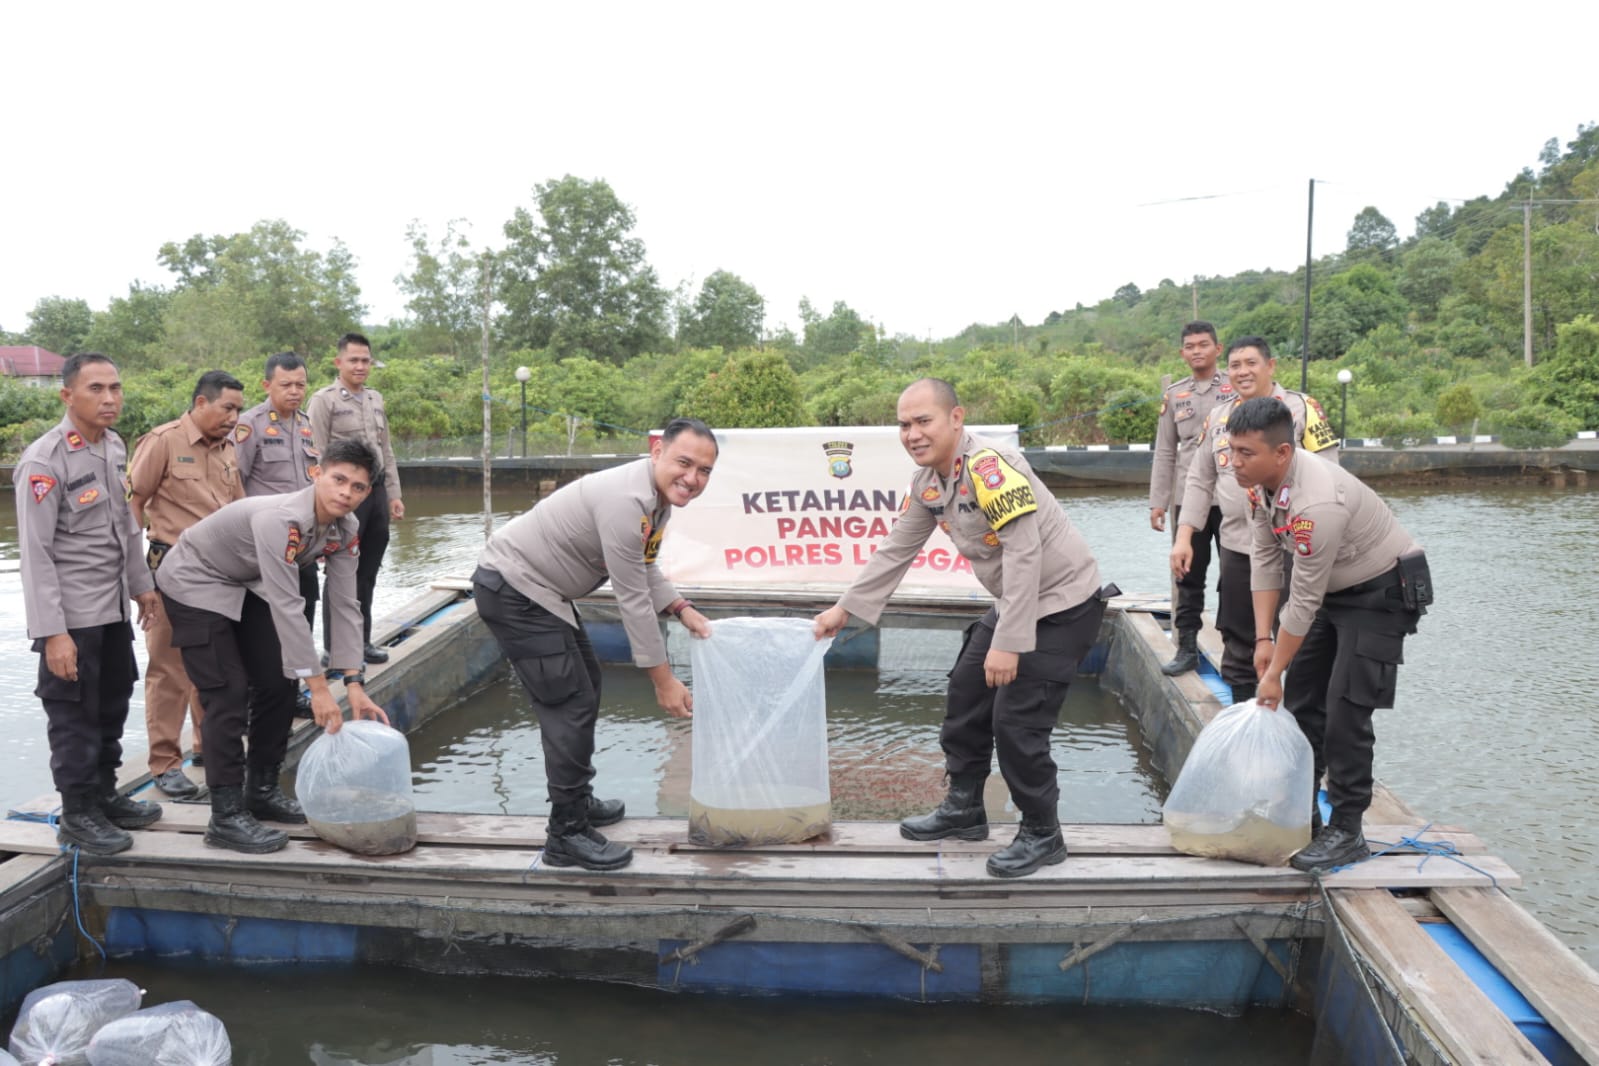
[{"x": 805, "y": 509}]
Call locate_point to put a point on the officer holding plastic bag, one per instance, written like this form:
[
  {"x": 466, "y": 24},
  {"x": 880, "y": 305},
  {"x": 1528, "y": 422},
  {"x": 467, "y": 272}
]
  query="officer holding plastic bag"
[
  {"x": 1359, "y": 586},
  {"x": 1008, "y": 684},
  {"x": 606, "y": 525}
]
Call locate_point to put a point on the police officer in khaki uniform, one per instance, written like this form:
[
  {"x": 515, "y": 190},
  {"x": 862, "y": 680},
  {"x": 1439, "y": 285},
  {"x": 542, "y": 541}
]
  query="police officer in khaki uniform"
[
  {"x": 232, "y": 590},
  {"x": 182, "y": 471},
  {"x": 348, "y": 410},
  {"x": 1008, "y": 684},
  {"x": 1358, "y": 587},
  {"x": 1251, "y": 372},
  {"x": 1184, "y": 406},
  {"x": 604, "y": 526},
  {"x": 80, "y": 565}
]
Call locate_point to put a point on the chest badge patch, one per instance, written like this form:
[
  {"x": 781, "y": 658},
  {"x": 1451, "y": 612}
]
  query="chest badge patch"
[{"x": 88, "y": 496}]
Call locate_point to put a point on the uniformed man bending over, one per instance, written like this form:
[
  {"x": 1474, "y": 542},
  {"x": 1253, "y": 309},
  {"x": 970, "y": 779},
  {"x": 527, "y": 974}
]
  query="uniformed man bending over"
[
  {"x": 182, "y": 471},
  {"x": 1359, "y": 585},
  {"x": 1008, "y": 684},
  {"x": 348, "y": 410},
  {"x": 80, "y": 566},
  {"x": 232, "y": 590},
  {"x": 605, "y": 525},
  {"x": 1251, "y": 372},
  {"x": 1184, "y": 406}
]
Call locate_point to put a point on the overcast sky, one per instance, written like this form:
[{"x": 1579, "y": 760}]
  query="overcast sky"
[{"x": 930, "y": 164}]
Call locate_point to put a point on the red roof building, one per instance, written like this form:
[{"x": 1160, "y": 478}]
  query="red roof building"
[{"x": 31, "y": 364}]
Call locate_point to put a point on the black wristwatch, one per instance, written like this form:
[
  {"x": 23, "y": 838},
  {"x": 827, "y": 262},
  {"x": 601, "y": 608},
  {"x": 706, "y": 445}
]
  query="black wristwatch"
[{"x": 354, "y": 679}]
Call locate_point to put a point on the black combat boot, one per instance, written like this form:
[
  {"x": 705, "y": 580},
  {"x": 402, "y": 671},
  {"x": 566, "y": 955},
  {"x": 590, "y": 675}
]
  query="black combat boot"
[
  {"x": 85, "y": 825},
  {"x": 264, "y": 797},
  {"x": 1187, "y": 657},
  {"x": 1243, "y": 693},
  {"x": 572, "y": 841},
  {"x": 1038, "y": 843},
  {"x": 1333, "y": 846},
  {"x": 961, "y": 815},
  {"x": 605, "y": 812},
  {"x": 235, "y": 828},
  {"x": 125, "y": 812}
]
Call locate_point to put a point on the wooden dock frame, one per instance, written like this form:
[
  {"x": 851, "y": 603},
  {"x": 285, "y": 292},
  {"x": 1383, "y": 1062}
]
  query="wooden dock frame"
[{"x": 473, "y": 896}]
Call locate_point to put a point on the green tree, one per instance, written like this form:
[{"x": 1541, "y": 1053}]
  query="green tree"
[
  {"x": 1568, "y": 381},
  {"x": 574, "y": 280},
  {"x": 751, "y": 389},
  {"x": 841, "y": 332},
  {"x": 443, "y": 290},
  {"x": 132, "y": 328},
  {"x": 1130, "y": 416},
  {"x": 728, "y": 313},
  {"x": 1458, "y": 408},
  {"x": 1434, "y": 221},
  {"x": 1128, "y": 295},
  {"x": 1371, "y": 237},
  {"x": 1427, "y": 274},
  {"x": 1348, "y": 305},
  {"x": 59, "y": 324}
]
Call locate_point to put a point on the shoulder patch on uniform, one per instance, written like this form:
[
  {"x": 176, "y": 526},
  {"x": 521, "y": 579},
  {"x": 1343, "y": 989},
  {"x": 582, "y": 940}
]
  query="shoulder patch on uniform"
[
  {"x": 291, "y": 553},
  {"x": 1301, "y": 529},
  {"x": 75, "y": 441},
  {"x": 241, "y": 433},
  {"x": 651, "y": 536},
  {"x": 1319, "y": 435},
  {"x": 1002, "y": 492},
  {"x": 40, "y": 485}
]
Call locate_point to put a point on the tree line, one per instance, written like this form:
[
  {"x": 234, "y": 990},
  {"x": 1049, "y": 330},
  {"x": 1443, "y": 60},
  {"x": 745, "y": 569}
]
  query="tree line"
[{"x": 1430, "y": 327}]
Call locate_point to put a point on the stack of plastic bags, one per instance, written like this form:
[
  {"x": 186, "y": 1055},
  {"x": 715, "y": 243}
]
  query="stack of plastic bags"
[{"x": 99, "y": 1023}]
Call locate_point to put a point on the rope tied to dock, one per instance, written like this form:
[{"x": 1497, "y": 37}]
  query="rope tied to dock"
[
  {"x": 1428, "y": 849},
  {"x": 52, "y": 818}
]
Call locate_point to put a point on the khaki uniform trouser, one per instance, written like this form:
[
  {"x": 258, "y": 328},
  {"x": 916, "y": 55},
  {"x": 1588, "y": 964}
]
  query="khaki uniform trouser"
[{"x": 168, "y": 696}]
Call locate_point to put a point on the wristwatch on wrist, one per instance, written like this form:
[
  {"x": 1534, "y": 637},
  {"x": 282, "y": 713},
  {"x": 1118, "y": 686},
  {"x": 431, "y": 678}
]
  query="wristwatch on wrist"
[{"x": 355, "y": 679}]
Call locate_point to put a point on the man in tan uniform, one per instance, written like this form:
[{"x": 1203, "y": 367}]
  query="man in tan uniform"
[
  {"x": 80, "y": 565},
  {"x": 231, "y": 587},
  {"x": 348, "y": 410},
  {"x": 182, "y": 471},
  {"x": 1251, "y": 372},
  {"x": 1359, "y": 586},
  {"x": 1008, "y": 684},
  {"x": 1184, "y": 406},
  {"x": 604, "y": 526}
]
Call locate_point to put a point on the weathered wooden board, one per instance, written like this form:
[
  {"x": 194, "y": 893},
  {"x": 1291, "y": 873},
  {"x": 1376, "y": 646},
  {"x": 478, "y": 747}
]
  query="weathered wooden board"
[
  {"x": 1459, "y": 1015},
  {"x": 1563, "y": 987}
]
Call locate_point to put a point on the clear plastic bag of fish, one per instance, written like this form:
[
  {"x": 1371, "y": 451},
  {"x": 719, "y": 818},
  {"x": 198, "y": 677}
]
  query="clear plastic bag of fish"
[
  {"x": 7, "y": 1060},
  {"x": 1245, "y": 791},
  {"x": 56, "y": 1022},
  {"x": 760, "y": 773},
  {"x": 171, "y": 1034},
  {"x": 355, "y": 788}
]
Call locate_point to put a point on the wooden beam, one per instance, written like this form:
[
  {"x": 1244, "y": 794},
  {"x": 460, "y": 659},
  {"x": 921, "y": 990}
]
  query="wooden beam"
[
  {"x": 1459, "y": 1015},
  {"x": 1552, "y": 977}
]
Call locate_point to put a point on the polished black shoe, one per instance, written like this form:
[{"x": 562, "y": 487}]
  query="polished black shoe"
[
  {"x": 571, "y": 841},
  {"x": 197, "y": 759},
  {"x": 235, "y": 828},
  {"x": 1187, "y": 657},
  {"x": 302, "y": 704},
  {"x": 125, "y": 812},
  {"x": 264, "y": 797},
  {"x": 175, "y": 783},
  {"x": 1038, "y": 843},
  {"x": 84, "y": 825},
  {"x": 961, "y": 815},
  {"x": 1333, "y": 847},
  {"x": 606, "y": 812},
  {"x": 374, "y": 654}
]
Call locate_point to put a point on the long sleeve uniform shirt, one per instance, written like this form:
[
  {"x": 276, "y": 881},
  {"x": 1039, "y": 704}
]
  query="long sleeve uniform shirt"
[
  {"x": 1184, "y": 406},
  {"x": 276, "y": 454}
]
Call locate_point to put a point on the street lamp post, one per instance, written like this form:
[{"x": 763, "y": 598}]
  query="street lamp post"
[
  {"x": 1344, "y": 378},
  {"x": 522, "y": 374}
]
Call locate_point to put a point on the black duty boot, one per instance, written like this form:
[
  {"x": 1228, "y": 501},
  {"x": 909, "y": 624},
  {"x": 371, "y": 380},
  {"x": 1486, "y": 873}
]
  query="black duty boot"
[
  {"x": 1187, "y": 657},
  {"x": 1038, "y": 843},
  {"x": 235, "y": 828},
  {"x": 125, "y": 812},
  {"x": 1334, "y": 846},
  {"x": 606, "y": 812},
  {"x": 374, "y": 654},
  {"x": 264, "y": 797},
  {"x": 1242, "y": 693},
  {"x": 571, "y": 841},
  {"x": 961, "y": 815},
  {"x": 85, "y": 825}
]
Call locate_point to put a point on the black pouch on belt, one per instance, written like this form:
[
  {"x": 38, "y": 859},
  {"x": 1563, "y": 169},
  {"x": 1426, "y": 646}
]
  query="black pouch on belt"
[
  {"x": 158, "y": 551},
  {"x": 1415, "y": 581}
]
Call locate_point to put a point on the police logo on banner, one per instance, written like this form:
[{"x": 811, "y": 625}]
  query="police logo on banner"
[{"x": 840, "y": 455}]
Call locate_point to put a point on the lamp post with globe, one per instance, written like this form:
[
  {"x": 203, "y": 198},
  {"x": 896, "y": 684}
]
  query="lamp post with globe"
[
  {"x": 1345, "y": 376},
  {"x": 522, "y": 374}
]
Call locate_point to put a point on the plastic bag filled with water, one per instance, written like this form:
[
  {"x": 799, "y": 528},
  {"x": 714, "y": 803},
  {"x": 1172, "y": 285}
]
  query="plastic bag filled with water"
[
  {"x": 760, "y": 734},
  {"x": 172, "y": 1034},
  {"x": 56, "y": 1022},
  {"x": 355, "y": 787},
  {"x": 7, "y": 1060},
  {"x": 1245, "y": 791}
]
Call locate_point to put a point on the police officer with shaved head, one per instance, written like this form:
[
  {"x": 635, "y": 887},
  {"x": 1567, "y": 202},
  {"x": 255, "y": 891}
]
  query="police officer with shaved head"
[
  {"x": 1359, "y": 585},
  {"x": 1010, "y": 679},
  {"x": 81, "y": 564}
]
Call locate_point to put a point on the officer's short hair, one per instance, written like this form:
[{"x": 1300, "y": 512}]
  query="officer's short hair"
[
  {"x": 354, "y": 338},
  {"x": 352, "y": 451},
  {"x": 283, "y": 361},
  {"x": 1265, "y": 415},
  {"x": 678, "y": 426},
  {"x": 943, "y": 392},
  {"x": 1251, "y": 342},
  {"x": 1197, "y": 327},
  {"x": 211, "y": 385},
  {"x": 75, "y": 363}
]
